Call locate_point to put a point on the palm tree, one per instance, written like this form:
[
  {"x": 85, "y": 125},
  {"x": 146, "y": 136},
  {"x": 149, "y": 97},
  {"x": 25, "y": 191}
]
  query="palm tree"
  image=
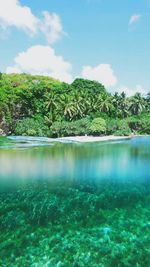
[
  {"x": 79, "y": 104},
  {"x": 52, "y": 103},
  {"x": 147, "y": 102},
  {"x": 121, "y": 104},
  {"x": 104, "y": 103},
  {"x": 137, "y": 104},
  {"x": 70, "y": 111}
]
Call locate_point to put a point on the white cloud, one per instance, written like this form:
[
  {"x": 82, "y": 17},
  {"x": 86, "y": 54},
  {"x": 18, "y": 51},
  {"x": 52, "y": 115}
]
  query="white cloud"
[
  {"x": 51, "y": 26},
  {"x": 42, "y": 60},
  {"x": 102, "y": 73},
  {"x": 134, "y": 18},
  {"x": 13, "y": 14},
  {"x": 132, "y": 91}
]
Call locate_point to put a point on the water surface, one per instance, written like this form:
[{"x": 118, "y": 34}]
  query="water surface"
[{"x": 25, "y": 159}]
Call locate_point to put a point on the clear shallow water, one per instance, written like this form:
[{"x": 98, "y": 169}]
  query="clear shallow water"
[
  {"x": 23, "y": 159},
  {"x": 71, "y": 204}
]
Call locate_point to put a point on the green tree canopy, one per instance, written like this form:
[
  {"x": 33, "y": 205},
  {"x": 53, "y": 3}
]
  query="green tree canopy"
[{"x": 98, "y": 126}]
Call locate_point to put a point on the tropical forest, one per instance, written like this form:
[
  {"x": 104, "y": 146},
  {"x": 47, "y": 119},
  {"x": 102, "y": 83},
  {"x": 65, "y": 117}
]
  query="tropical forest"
[{"x": 42, "y": 106}]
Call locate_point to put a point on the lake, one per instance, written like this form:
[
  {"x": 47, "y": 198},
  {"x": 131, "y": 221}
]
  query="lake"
[{"x": 74, "y": 204}]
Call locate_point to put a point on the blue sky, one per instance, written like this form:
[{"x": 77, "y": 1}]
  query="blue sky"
[{"x": 104, "y": 40}]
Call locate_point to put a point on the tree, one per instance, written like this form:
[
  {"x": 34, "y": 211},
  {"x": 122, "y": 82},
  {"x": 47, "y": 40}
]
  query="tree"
[
  {"x": 92, "y": 87},
  {"x": 104, "y": 103},
  {"x": 52, "y": 103},
  {"x": 137, "y": 104},
  {"x": 121, "y": 104}
]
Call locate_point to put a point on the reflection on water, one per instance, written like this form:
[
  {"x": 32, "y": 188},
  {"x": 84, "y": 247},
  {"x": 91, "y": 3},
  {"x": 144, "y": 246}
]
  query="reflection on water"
[{"x": 42, "y": 159}]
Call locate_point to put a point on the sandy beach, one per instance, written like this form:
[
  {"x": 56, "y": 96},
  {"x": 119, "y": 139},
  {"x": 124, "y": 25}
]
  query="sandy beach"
[{"x": 88, "y": 139}]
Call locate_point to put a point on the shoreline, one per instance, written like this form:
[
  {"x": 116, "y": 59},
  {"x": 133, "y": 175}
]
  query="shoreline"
[
  {"x": 90, "y": 139},
  {"x": 75, "y": 139}
]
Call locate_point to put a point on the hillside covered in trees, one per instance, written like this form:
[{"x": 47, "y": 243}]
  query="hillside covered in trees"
[{"x": 42, "y": 106}]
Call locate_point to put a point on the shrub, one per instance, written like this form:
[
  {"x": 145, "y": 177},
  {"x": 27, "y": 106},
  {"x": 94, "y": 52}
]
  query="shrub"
[
  {"x": 98, "y": 126},
  {"x": 112, "y": 126},
  {"x": 140, "y": 123},
  {"x": 64, "y": 128},
  {"x": 31, "y": 132},
  {"x": 30, "y": 126},
  {"x": 145, "y": 128},
  {"x": 123, "y": 129}
]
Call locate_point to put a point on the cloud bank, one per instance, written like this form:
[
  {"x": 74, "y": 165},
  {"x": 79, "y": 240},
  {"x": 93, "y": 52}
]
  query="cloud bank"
[
  {"x": 102, "y": 73},
  {"x": 13, "y": 14},
  {"x": 131, "y": 91},
  {"x": 42, "y": 60}
]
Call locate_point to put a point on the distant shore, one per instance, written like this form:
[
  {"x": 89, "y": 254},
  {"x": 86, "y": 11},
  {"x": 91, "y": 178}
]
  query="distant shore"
[
  {"x": 75, "y": 139},
  {"x": 88, "y": 139}
]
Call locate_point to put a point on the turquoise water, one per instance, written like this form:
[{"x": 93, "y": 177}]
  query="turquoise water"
[
  {"x": 74, "y": 205},
  {"x": 24, "y": 159}
]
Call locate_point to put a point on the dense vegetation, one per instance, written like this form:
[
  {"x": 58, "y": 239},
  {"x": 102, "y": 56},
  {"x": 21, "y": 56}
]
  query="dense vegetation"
[
  {"x": 42, "y": 106},
  {"x": 103, "y": 226}
]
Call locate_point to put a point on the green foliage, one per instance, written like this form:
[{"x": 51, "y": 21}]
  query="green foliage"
[
  {"x": 98, "y": 126},
  {"x": 31, "y": 127},
  {"x": 112, "y": 126},
  {"x": 140, "y": 124},
  {"x": 123, "y": 129},
  {"x": 23, "y": 96},
  {"x": 92, "y": 87},
  {"x": 79, "y": 127}
]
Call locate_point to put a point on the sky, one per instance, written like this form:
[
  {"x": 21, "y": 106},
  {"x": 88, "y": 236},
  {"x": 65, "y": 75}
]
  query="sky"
[{"x": 103, "y": 40}]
